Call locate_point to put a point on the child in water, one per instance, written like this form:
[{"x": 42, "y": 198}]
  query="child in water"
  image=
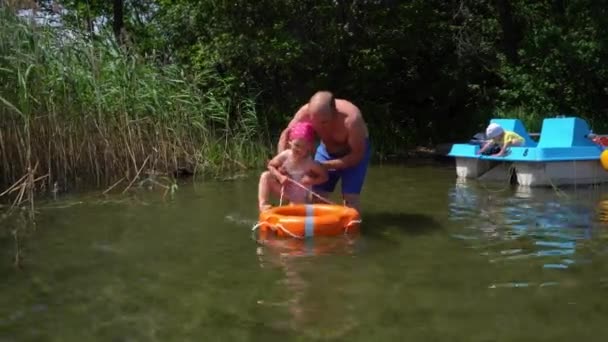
[
  {"x": 502, "y": 138},
  {"x": 295, "y": 163}
]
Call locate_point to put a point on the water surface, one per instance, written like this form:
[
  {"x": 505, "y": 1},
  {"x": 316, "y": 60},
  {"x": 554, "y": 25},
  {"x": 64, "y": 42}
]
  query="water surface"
[{"x": 437, "y": 259}]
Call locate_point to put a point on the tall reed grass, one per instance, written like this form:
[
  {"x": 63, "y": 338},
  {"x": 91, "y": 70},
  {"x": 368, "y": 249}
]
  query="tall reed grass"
[{"x": 75, "y": 110}]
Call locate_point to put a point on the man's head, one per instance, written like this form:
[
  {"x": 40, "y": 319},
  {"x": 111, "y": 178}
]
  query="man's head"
[{"x": 322, "y": 110}]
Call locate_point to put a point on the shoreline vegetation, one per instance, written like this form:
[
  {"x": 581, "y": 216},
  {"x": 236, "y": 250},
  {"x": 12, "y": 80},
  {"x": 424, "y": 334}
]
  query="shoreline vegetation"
[
  {"x": 86, "y": 112},
  {"x": 83, "y": 111},
  {"x": 113, "y": 95}
]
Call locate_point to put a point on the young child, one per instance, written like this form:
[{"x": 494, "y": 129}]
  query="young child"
[
  {"x": 497, "y": 135},
  {"x": 295, "y": 163}
]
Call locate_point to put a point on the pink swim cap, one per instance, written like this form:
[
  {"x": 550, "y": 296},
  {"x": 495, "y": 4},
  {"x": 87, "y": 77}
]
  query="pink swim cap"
[{"x": 302, "y": 130}]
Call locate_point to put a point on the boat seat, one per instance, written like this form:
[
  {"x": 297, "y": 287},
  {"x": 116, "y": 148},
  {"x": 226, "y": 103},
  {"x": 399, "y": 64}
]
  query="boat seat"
[{"x": 564, "y": 132}]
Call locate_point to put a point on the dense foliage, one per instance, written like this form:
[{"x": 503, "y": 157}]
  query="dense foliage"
[{"x": 423, "y": 71}]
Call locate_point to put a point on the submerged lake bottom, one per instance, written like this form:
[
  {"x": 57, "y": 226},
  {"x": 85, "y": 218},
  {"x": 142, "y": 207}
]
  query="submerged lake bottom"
[{"x": 437, "y": 258}]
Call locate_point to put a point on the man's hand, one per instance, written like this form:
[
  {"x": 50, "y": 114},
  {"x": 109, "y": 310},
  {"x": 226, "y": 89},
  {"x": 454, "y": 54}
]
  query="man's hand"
[
  {"x": 327, "y": 165},
  {"x": 357, "y": 144},
  {"x": 307, "y": 181}
]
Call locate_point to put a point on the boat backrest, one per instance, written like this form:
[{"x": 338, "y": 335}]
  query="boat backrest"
[
  {"x": 564, "y": 132},
  {"x": 515, "y": 125}
]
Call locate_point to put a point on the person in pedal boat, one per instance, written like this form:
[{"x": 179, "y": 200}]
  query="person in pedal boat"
[
  {"x": 293, "y": 164},
  {"x": 497, "y": 135}
]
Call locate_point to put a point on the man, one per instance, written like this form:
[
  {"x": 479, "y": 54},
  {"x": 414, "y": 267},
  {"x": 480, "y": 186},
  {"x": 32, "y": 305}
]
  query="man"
[{"x": 344, "y": 150}]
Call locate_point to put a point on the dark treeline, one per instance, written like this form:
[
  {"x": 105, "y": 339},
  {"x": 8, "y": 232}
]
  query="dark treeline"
[{"x": 423, "y": 71}]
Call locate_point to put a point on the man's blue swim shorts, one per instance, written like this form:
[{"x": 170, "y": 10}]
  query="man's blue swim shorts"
[{"x": 352, "y": 177}]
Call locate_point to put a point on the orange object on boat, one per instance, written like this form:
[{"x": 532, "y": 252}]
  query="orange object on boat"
[
  {"x": 308, "y": 220},
  {"x": 604, "y": 159}
]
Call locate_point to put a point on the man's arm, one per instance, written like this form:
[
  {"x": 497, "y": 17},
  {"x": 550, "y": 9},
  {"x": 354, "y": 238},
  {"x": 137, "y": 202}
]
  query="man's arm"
[
  {"x": 300, "y": 115},
  {"x": 356, "y": 142},
  {"x": 320, "y": 175}
]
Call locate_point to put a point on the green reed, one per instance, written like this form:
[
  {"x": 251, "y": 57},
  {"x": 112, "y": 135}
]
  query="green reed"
[{"x": 76, "y": 111}]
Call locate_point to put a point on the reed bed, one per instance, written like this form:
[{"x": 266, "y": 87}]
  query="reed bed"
[{"x": 76, "y": 110}]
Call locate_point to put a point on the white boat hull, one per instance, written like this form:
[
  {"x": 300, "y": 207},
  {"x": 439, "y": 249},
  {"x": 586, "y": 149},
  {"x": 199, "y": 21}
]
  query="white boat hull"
[
  {"x": 531, "y": 174},
  {"x": 471, "y": 168},
  {"x": 560, "y": 173}
]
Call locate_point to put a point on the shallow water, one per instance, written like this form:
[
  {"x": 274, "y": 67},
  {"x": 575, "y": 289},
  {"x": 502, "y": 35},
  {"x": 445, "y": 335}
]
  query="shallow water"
[{"x": 437, "y": 259}]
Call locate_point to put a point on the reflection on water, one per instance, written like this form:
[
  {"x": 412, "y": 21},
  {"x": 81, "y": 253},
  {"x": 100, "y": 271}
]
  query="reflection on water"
[
  {"x": 523, "y": 224},
  {"x": 305, "y": 265},
  {"x": 434, "y": 261},
  {"x": 288, "y": 247}
]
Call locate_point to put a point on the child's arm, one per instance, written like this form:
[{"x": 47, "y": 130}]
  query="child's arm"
[
  {"x": 503, "y": 149},
  {"x": 485, "y": 147},
  {"x": 508, "y": 143},
  {"x": 320, "y": 175},
  {"x": 275, "y": 163},
  {"x": 518, "y": 141}
]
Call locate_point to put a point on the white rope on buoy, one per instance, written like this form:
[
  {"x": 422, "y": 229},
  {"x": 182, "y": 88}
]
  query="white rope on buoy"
[
  {"x": 257, "y": 225},
  {"x": 282, "y": 194},
  {"x": 275, "y": 226},
  {"x": 280, "y": 226},
  {"x": 311, "y": 192},
  {"x": 350, "y": 224}
]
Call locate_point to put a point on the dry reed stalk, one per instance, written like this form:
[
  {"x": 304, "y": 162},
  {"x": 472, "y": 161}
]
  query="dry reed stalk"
[
  {"x": 12, "y": 187},
  {"x": 49, "y": 163},
  {"x": 137, "y": 175},
  {"x": 17, "y": 257},
  {"x": 128, "y": 140},
  {"x": 113, "y": 185},
  {"x": 241, "y": 165},
  {"x": 5, "y": 163}
]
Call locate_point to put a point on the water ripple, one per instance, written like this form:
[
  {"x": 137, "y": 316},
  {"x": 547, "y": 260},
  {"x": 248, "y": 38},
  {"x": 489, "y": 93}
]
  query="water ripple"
[{"x": 528, "y": 224}]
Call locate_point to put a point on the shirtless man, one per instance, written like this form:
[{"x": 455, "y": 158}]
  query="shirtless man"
[{"x": 344, "y": 148}]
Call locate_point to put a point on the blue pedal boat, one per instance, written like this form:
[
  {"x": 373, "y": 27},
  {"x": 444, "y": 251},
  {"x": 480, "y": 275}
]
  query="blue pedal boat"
[{"x": 564, "y": 154}]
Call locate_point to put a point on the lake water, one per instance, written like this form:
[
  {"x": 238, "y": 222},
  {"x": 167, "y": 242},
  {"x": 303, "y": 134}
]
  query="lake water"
[{"x": 436, "y": 260}]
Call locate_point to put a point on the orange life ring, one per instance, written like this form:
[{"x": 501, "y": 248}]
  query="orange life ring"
[{"x": 307, "y": 220}]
